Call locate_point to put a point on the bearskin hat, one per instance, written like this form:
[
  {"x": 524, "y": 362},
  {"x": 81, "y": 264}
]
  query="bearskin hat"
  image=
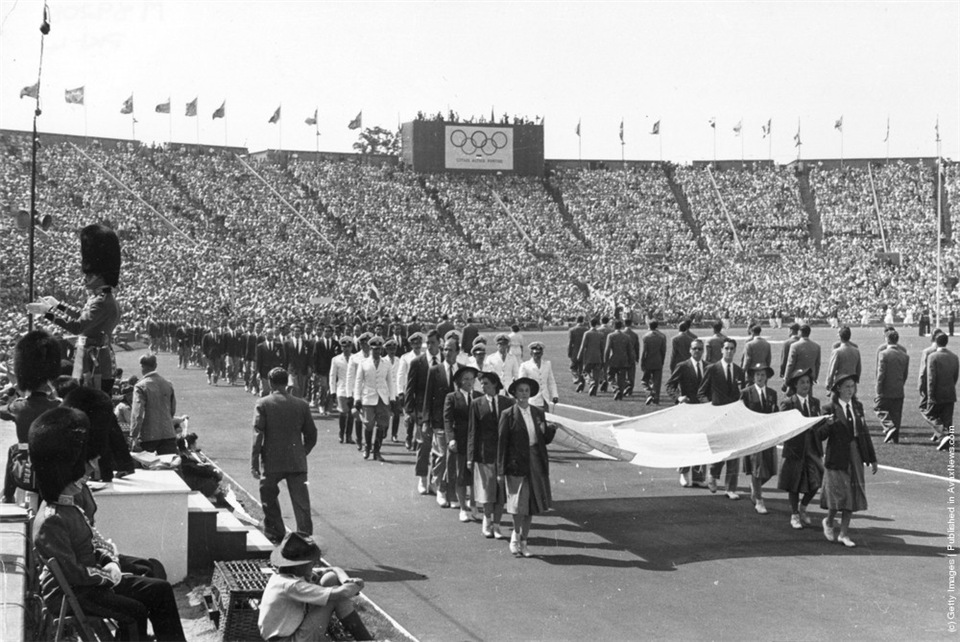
[
  {"x": 100, "y": 253},
  {"x": 36, "y": 360},
  {"x": 56, "y": 442}
]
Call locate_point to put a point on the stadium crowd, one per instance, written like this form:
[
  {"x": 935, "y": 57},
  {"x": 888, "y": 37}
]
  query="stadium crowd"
[{"x": 218, "y": 237}]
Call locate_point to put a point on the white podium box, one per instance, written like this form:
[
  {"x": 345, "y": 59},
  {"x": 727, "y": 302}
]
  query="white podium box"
[{"x": 145, "y": 514}]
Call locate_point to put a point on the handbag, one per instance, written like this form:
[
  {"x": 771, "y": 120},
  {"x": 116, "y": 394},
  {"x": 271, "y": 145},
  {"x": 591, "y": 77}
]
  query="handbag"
[{"x": 20, "y": 467}]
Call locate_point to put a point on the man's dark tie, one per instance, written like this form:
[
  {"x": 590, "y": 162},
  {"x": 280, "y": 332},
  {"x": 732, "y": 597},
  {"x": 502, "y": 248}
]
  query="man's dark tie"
[
  {"x": 850, "y": 418},
  {"x": 806, "y": 409},
  {"x": 763, "y": 400},
  {"x": 699, "y": 374},
  {"x": 450, "y": 374},
  {"x": 495, "y": 407}
]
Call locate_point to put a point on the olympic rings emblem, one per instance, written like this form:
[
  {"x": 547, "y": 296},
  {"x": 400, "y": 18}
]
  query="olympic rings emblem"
[{"x": 478, "y": 142}]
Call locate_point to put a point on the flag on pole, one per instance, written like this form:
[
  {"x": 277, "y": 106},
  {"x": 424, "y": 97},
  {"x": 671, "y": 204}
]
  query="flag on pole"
[
  {"x": 357, "y": 122},
  {"x": 192, "y": 108},
  {"x": 578, "y": 127},
  {"x": 936, "y": 128},
  {"x": 221, "y": 111},
  {"x": 621, "y": 131},
  {"x": 766, "y": 128},
  {"x": 74, "y": 96},
  {"x": 276, "y": 117},
  {"x": 313, "y": 119},
  {"x": 796, "y": 137},
  {"x": 656, "y": 129},
  {"x": 887, "y": 137},
  {"x": 127, "y": 106},
  {"x": 838, "y": 125},
  {"x": 737, "y": 128},
  {"x": 33, "y": 91},
  {"x": 713, "y": 123},
  {"x": 163, "y": 108}
]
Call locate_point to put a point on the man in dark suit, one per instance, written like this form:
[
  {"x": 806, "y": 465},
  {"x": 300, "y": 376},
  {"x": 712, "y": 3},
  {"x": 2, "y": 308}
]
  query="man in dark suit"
[
  {"x": 269, "y": 355},
  {"x": 297, "y": 360},
  {"x": 440, "y": 383},
  {"x": 470, "y": 332},
  {"x": 684, "y": 387},
  {"x": 680, "y": 344},
  {"x": 619, "y": 356},
  {"x": 721, "y": 385},
  {"x": 755, "y": 350},
  {"x": 892, "y": 366},
  {"x": 445, "y": 325},
  {"x": 943, "y": 369},
  {"x": 804, "y": 354},
  {"x": 845, "y": 357},
  {"x": 573, "y": 351},
  {"x": 414, "y": 394},
  {"x": 923, "y": 369},
  {"x": 325, "y": 348},
  {"x": 713, "y": 348},
  {"x": 591, "y": 357},
  {"x": 793, "y": 338},
  {"x": 652, "y": 360},
  {"x": 284, "y": 434},
  {"x": 212, "y": 348},
  {"x": 635, "y": 340}
]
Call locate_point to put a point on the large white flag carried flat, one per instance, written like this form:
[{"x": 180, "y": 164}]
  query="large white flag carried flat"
[{"x": 685, "y": 435}]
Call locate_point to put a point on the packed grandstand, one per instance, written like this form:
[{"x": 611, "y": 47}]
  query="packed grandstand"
[{"x": 370, "y": 234}]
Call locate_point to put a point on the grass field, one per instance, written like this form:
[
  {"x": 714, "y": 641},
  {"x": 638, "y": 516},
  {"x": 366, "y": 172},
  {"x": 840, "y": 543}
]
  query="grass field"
[{"x": 914, "y": 452}]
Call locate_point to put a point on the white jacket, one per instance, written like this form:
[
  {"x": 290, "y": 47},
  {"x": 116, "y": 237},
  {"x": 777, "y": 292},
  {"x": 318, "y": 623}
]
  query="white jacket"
[
  {"x": 544, "y": 376},
  {"x": 374, "y": 383}
]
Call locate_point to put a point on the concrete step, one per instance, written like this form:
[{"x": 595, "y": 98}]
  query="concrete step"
[
  {"x": 258, "y": 545},
  {"x": 201, "y": 532},
  {"x": 231, "y": 537}
]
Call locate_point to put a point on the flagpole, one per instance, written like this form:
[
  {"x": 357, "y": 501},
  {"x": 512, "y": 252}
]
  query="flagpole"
[
  {"x": 84, "y": 119},
  {"x": 714, "y": 142},
  {"x": 770, "y": 142},
  {"x": 133, "y": 126},
  {"x": 841, "y": 145},
  {"x": 170, "y": 121},
  {"x": 742, "y": 155},
  {"x": 196, "y": 117},
  {"x": 887, "y": 139},
  {"x": 939, "y": 221},
  {"x": 799, "y": 141},
  {"x": 280, "y": 130},
  {"x": 660, "y": 141}
]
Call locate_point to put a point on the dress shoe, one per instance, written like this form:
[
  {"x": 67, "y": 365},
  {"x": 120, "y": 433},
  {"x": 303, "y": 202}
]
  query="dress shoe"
[
  {"x": 945, "y": 443},
  {"x": 349, "y": 440},
  {"x": 795, "y": 521},
  {"x": 604, "y": 386},
  {"x": 497, "y": 533},
  {"x": 804, "y": 518},
  {"x": 486, "y": 529},
  {"x": 760, "y": 507},
  {"x": 454, "y": 504},
  {"x": 393, "y": 438},
  {"x": 828, "y": 531},
  {"x": 422, "y": 487},
  {"x": 846, "y": 541},
  {"x": 732, "y": 495},
  {"x": 524, "y": 551},
  {"x": 712, "y": 485},
  {"x": 593, "y": 391},
  {"x": 341, "y": 440},
  {"x": 514, "y": 546},
  {"x": 618, "y": 396},
  {"x": 890, "y": 436},
  {"x": 366, "y": 454},
  {"x": 442, "y": 503},
  {"x": 934, "y": 437},
  {"x": 465, "y": 516},
  {"x": 408, "y": 444},
  {"x": 476, "y": 516},
  {"x": 683, "y": 481},
  {"x": 581, "y": 386},
  {"x": 378, "y": 456}
]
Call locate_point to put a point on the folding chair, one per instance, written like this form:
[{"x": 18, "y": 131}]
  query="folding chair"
[{"x": 89, "y": 627}]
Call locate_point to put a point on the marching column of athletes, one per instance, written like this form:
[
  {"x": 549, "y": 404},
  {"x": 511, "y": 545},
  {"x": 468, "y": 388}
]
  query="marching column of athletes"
[{"x": 459, "y": 402}]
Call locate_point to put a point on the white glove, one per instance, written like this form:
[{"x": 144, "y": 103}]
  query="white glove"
[
  {"x": 38, "y": 308},
  {"x": 113, "y": 569},
  {"x": 49, "y": 300}
]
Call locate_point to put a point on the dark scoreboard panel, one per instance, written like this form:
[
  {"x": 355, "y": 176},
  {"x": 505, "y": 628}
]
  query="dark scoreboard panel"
[{"x": 434, "y": 147}]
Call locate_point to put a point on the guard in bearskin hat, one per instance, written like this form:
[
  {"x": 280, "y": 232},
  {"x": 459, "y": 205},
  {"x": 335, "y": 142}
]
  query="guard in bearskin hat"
[
  {"x": 100, "y": 261},
  {"x": 62, "y": 531},
  {"x": 36, "y": 363}
]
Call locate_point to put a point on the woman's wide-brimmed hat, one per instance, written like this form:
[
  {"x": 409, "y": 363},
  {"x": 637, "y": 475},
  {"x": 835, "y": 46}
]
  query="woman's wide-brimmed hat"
[{"x": 533, "y": 383}]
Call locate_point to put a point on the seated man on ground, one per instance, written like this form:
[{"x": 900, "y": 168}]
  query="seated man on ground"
[{"x": 298, "y": 600}]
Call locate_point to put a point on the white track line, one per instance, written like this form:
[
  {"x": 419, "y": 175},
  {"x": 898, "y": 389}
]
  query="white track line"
[
  {"x": 363, "y": 596},
  {"x": 893, "y": 468}
]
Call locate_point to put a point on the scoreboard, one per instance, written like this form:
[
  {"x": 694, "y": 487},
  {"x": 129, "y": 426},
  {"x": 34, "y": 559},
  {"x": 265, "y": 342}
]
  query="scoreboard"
[{"x": 434, "y": 147}]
